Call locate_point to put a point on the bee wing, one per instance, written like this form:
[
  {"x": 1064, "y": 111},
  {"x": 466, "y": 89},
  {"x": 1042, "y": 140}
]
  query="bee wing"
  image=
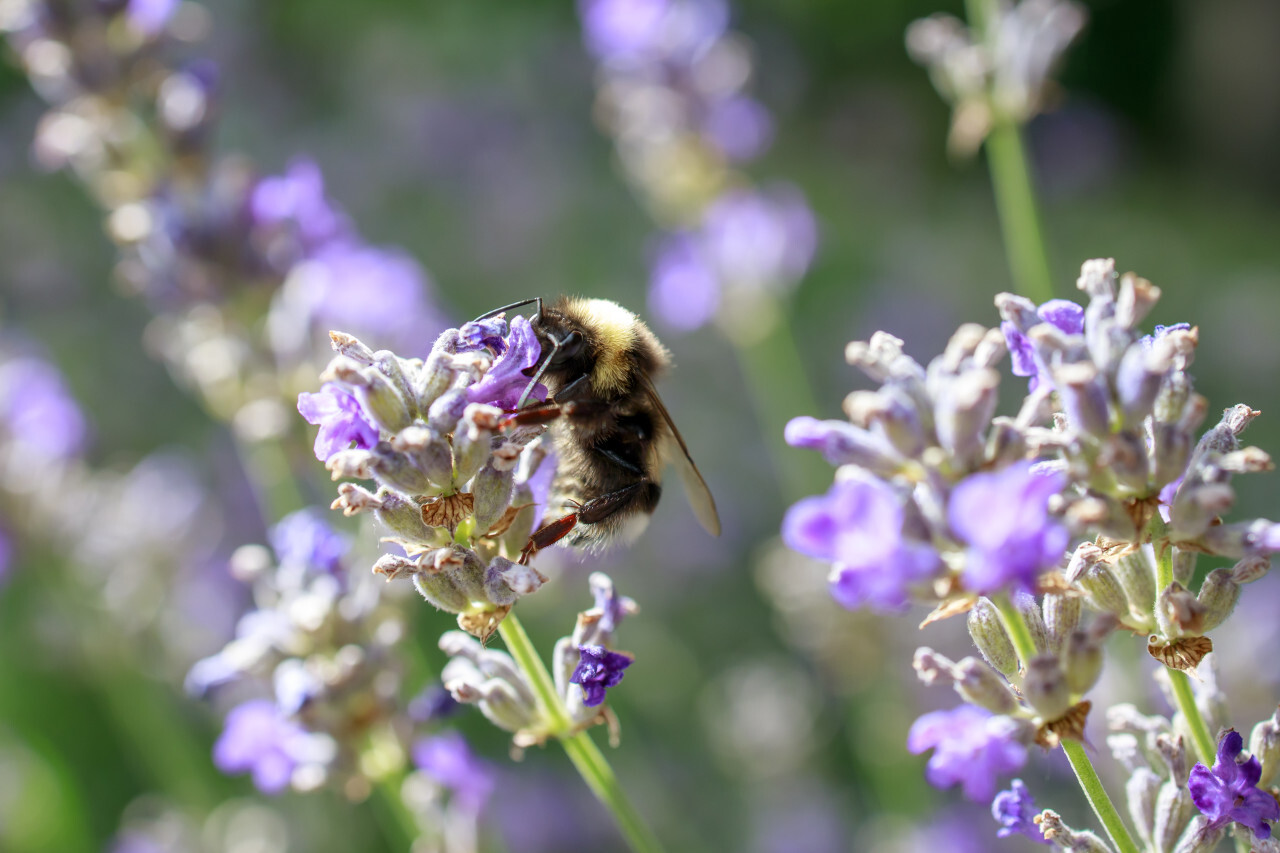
[{"x": 704, "y": 506}]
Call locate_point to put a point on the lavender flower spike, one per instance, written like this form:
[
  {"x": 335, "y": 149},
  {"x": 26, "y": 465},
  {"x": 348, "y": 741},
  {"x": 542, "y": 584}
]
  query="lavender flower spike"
[
  {"x": 447, "y": 759},
  {"x": 972, "y": 748},
  {"x": 598, "y": 670},
  {"x": 1229, "y": 792},
  {"x": 259, "y": 739}
]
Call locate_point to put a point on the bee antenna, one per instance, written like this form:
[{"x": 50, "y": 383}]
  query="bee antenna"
[
  {"x": 555, "y": 346},
  {"x": 535, "y": 300}
]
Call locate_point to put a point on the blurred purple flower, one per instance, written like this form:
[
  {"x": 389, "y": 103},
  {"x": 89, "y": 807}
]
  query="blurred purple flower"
[
  {"x": 305, "y": 538},
  {"x": 760, "y": 239},
  {"x": 1062, "y": 314},
  {"x": 1015, "y": 810},
  {"x": 377, "y": 294},
  {"x": 857, "y": 525},
  {"x": 137, "y": 841},
  {"x": 506, "y": 380},
  {"x": 1229, "y": 792},
  {"x": 340, "y": 418},
  {"x": 432, "y": 703},
  {"x": 597, "y": 670},
  {"x": 37, "y": 409},
  {"x": 739, "y": 126},
  {"x": 297, "y": 197},
  {"x": 684, "y": 292},
  {"x": 447, "y": 759},
  {"x": 257, "y": 738},
  {"x": 150, "y": 16},
  {"x": 609, "y": 603},
  {"x": 1004, "y": 518},
  {"x": 839, "y": 442},
  {"x": 1160, "y": 331},
  {"x": 622, "y": 30},
  {"x": 972, "y": 748}
]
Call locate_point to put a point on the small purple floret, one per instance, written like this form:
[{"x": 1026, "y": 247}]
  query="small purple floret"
[
  {"x": 971, "y": 748},
  {"x": 858, "y": 526},
  {"x": 505, "y": 382},
  {"x": 490, "y": 334},
  {"x": 447, "y": 759},
  {"x": 38, "y": 411},
  {"x": 298, "y": 197},
  {"x": 684, "y": 292},
  {"x": 1015, "y": 810},
  {"x": 1004, "y": 517},
  {"x": 304, "y": 538},
  {"x": 340, "y": 418},
  {"x": 1229, "y": 792},
  {"x": 257, "y": 738},
  {"x": 1062, "y": 314},
  {"x": 598, "y": 669}
]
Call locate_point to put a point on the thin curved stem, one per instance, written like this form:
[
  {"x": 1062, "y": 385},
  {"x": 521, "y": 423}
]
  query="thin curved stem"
[
  {"x": 1092, "y": 786},
  {"x": 1098, "y": 798},
  {"x": 587, "y": 758},
  {"x": 1019, "y": 217},
  {"x": 1182, "y": 694},
  {"x": 399, "y": 827}
]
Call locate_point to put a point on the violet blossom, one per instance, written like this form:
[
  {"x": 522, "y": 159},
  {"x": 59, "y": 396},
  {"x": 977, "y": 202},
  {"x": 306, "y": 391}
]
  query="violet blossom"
[
  {"x": 1229, "y": 792},
  {"x": 972, "y": 748},
  {"x": 37, "y": 409},
  {"x": 448, "y": 760},
  {"x": 303, "y": 538},
  {"x": 506, "y": 380},
  {"x": 1015, "y": 810},
  {"x": 858, "y": 525},
  {"x": 341, "y": 419},
  {"x": 1062, "y": 314},
  {"x": 1004, "y": 517},
  {"x": 598, "y": 670},
  {"x": 257, "y": 738}
]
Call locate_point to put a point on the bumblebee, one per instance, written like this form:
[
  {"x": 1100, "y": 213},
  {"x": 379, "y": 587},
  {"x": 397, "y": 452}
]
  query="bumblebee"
[{"x": 610, "y": 429}]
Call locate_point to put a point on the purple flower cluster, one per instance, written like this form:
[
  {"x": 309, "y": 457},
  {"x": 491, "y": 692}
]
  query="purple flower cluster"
[
  {"x": 681, "y": 126},
  {"x": 448, "y": 760},
  {"x": 1015, "y": 811},
  {"x": 923, "y": 491},
  {"x": 597, "y": 670},
  {"x": 258, "y": 738},
  {"x": 37, "y": 412}
]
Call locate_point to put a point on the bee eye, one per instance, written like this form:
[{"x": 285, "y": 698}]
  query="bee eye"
[{"x": 568, "y": 348}]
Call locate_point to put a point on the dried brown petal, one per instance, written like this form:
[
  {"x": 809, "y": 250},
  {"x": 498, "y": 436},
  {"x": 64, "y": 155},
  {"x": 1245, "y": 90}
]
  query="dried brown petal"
[
  {"x": 1182, "y": 654},
  {"x": 448, "y": 510},
  {"x": 1070, "y": 726}
]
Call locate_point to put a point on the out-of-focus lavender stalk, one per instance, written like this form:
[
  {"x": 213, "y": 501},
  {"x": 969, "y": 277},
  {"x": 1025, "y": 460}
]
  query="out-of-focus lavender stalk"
[
  {"x": 995, "y": 74},
  {"x": 673, "y": 92}
]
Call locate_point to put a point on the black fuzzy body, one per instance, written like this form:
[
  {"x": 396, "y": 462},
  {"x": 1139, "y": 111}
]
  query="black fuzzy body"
[{"x": 610, "y": 439}]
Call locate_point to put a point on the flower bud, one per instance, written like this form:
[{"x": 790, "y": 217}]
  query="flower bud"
[
  {"x": 472, "y": 443},
  {"x": 434, "y": 378},
  {"x": 1184, "y": 565},
  {"x": 842, "y": 443},
  {"x": 403, "y": 518},
  {"x": 963, "y": 411},
  {"x": 396, "y": 471},
  {"x": 1219, "y": 594},
  {"x": 1045, "y": 687},
  {"x": 933, "y": 668},
  {"x": 1103, "y": 591},
  {"x": 1128, "y": 753},
  {"x": 989, "y": 635},
  {"x": 351, "y": 347},
  {"x": 1006, "y": 443},
  {"x": 493, "y": 490},
  {"x": 380, "y": 400},
  {"x": 428, "y": 451},
  {"x": 1138, "y": 379},
  {"x": 441, "y": 591},
  {"x": 1178, "y": 613},
  {"x": 1084, "y": 398},
  {"x": 446, "y": 410},
  {"x": 1061, "y": 616},
  {"x": 1264, "y": 743},
  {"x": 1136, "y": 298},
  {"x": 1141, "y": 791},
  {"x": 979, "y": 684},
  {"x": 1173, "y": 809},
  {"x": 1082, "y": 661},
  {"x": 1250, "y": 569},
  {"x": 1058, "y": 833},
  {"x": 390, "y": 366},
  {"x": 894, "y": 412},
  {"x": 1137, "y": 576},
  {"x": 1124, "y": 456},
  {"x": 1200, "y": 836},
  {"x": 1025, "y": 602},
  {"x": 505, "y": 581},
  {"x": 1197, "y": 506},
  {"x": 1171, "y": 448}
]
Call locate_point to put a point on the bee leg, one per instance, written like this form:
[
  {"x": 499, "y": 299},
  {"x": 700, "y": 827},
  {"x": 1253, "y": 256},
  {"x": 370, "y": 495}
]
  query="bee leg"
[
  {"x": 642, "y": 493},
  {"x": 540, "y": 414},
  {"x": 547, "y": 535}
]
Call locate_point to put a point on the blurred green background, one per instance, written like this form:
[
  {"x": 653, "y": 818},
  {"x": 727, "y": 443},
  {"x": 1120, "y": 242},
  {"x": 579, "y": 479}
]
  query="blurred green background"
[{"x": 759, "y": 717}]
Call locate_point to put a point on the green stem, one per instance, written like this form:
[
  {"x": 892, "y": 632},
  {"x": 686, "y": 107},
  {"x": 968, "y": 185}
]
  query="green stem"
[
  {"x": 1191, "y": 712},
  {"x": 1016, "y": 627},
  {"x": 777, "y": 381},
  {"x": 1097, "y": 796},
  {"x": 1016, "y": 206},
  {"x": 1186, "y": 700},
  {"x": 399, "y": 826},
  {"x": 1020, "y": 634},
  {"x": 582, "y": 751}
]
